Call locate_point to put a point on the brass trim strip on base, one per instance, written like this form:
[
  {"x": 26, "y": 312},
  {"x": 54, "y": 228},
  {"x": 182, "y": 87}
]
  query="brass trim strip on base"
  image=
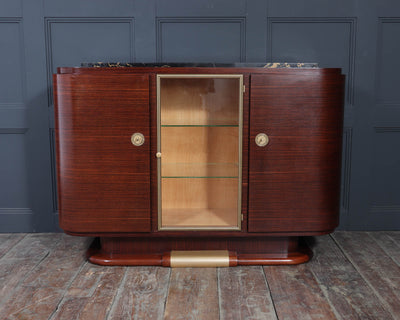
[{"x": 201, "y": 258}]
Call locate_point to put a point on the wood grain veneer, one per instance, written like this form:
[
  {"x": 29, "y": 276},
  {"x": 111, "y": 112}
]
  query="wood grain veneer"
[
  {"x": 108, "y": 187},
  {"x": 294, "y": 181},
  {"x": 103, "y": 179}
]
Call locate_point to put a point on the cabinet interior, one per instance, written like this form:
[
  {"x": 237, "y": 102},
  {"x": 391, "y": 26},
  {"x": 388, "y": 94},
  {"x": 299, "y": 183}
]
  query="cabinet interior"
[{"x": 199, "y": 138}]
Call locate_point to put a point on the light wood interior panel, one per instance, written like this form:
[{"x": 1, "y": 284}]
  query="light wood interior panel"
[
  {"x": 199, "y": 101},
  {"x": 199, "y": 145},
  {"x": 202, "y": 202}
]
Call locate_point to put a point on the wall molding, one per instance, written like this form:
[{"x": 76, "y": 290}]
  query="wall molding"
[
  {"x": 21, "y": 40},
  {"x": 351, "y": 56},
  {"x": 379, "y": 61},
  {"x": 347, "y": 157},
  {"x": 386, "y": 129},
  {"x": 52, "y": 142},
  {"x": 16, "y": 220},
  {"x": 13, "y": 118},
  {"x": 164, "y": 20},
  {"x": 50, "y": 21},
  {"x": 385, "y": 209},
  {"x": 15, "y": 211}
]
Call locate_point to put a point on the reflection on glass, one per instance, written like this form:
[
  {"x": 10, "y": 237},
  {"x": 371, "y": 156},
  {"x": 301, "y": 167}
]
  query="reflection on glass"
[{"x": 199, "y": 139}]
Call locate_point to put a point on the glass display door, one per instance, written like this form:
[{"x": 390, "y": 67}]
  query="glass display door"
[{"x": 199, "y": 144}]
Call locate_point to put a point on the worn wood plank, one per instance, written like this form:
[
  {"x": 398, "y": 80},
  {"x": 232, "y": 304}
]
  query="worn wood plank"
[
  {"x": 296, "y": 293},
  {"x": 376, "y": 267},
  {"x": 91, "y": 294},
  {"x": 192, "y": 294},
  {"x": 142, "y": 295},
  {"x": 389, "y": 241},
  {"x": 244, "y": 294},
  {"x": 61, "y": 265},
  {"x": 31, "y": 303},
  {"x": 345, "y": 289},
  {"x": 12, "y": 272},
  {"x": 9, "y": 240},
  {"x": 34, "y": 246},
  {"x": 21, "y": 259}
]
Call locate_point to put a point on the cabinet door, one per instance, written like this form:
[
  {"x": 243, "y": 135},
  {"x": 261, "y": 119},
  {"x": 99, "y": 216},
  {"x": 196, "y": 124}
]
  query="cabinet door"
[
  {"x": 294, "y": 180},
  {"x": 103, "y": 178}
]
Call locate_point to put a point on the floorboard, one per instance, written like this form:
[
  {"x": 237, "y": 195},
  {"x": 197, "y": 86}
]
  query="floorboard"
[
  {"x": 244, "y": 294},
  {"x": 353, "y": 275},
  {"x": 375, "y": 266},
  {"x": 143, "y": 294},
  {"x": 296, "y": 293},
  {"x": 343, "y": 287},
  {"x": 192, "y": 294}
]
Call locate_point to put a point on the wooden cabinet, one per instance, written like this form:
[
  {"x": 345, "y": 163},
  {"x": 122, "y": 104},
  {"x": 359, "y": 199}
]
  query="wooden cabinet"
[{"x": 189, "y": 166}]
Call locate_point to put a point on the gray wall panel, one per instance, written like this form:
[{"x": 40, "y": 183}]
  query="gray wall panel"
[
  {"x": 384, "y": 200},
  {"x": 14, "y": 191},
  {"x": 88, "y": 8},
  {"x": 11, "y": 63},
  {"x": 201, "y": 40},
  {"x": 10, "y": 8},
  {"x": 195, "y": 8},
  {"x": 37, "y": 36},
  {"x": 328, "y": 41},
  {"x": 313, "y": 8},
  {"x": 71, "y": 41},
  {"x": 388, "y": 66}
]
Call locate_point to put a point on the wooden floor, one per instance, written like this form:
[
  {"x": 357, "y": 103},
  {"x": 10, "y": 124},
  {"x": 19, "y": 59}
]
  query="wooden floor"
[{"x": 353, "y": 275}]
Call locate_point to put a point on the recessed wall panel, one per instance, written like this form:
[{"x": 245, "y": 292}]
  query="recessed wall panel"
[
  {"x": 195, "y": 8},
  {"x": 13, "y": 187},
  {"x": 200, "y": 40},
  {"x": 88, "y": 8},
  {"x": 73, "y": 41},
  {"x": 388, "y": 66},
  {"x": 330, "y": 42},
  {"x": 11, "y": 62},
  {"x": 385, "y": 183}
]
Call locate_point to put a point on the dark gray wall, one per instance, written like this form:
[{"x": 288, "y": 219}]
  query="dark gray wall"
[{"x": 359, "y": 36}]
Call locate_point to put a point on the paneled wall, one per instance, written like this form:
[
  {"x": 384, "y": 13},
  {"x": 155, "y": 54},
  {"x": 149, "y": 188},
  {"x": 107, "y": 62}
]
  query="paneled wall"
[{"x": 361, "y": 37}]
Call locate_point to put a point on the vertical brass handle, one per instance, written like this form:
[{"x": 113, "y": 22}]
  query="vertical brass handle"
[
  {"x": 262, "y": 140},
  {"x": 137, "y": 139}
]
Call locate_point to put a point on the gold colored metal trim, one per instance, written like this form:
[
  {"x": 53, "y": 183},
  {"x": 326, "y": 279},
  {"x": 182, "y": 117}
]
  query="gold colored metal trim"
[
  {"x": 159, "y": 208},
  {"x": 137, "y": 139},
  {"x": 201, "y": 259},
  {"x": 261, "y": 139},
  {"x": 159, "y": 205}
]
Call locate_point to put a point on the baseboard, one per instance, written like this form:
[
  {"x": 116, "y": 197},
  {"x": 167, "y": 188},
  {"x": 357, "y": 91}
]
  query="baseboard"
[{"x": 16, "y": 220}]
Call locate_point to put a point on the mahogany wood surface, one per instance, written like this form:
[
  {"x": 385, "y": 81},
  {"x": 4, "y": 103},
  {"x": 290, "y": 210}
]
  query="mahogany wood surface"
[
  {"x": 103, "y": 179},
  {"x": 294, "y": 181},
  {"x": 156, "y": 251},
  {"x": 108, "y": 187}
]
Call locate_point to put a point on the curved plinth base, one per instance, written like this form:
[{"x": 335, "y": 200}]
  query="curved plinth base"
[{"x": 120, "y": 252}]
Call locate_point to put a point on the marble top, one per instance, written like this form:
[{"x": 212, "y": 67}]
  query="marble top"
[{"x": 203, "y": 65}]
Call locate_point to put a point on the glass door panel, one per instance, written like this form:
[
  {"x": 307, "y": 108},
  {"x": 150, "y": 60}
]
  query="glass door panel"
[{"x": 199, "y": 146}]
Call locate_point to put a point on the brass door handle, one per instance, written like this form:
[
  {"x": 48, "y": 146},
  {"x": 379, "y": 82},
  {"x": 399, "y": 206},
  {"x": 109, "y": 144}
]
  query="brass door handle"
[
  {"x": 261, "y": 140},
  {"x": 137, "y": 139}
]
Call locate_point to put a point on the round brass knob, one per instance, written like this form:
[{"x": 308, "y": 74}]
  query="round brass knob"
[
  {"x": 137, "y": 139},
  {"x": 261, "y": 139}
]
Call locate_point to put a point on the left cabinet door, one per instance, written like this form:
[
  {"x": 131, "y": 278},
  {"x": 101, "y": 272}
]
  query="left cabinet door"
[{"x": 103, "y": 178}]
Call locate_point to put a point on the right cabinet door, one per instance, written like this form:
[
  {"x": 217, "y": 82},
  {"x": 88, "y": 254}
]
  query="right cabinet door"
[{"x": 294, "y": 180}]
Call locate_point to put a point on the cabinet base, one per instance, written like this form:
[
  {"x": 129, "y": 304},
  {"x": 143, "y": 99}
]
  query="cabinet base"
[{"x": 190, "y": 252}]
